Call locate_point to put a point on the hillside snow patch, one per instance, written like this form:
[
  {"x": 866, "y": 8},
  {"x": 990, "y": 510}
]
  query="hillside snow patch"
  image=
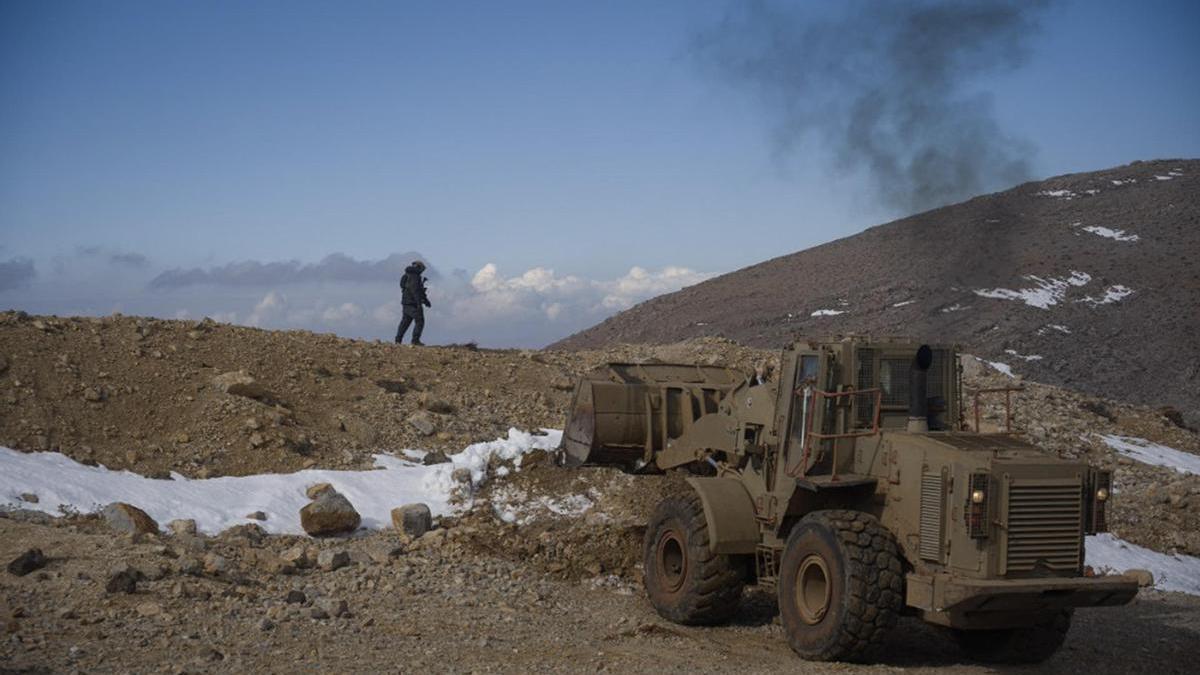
[
  {"x": 1111, "y": 294},
  {"x": 1057, "y": 194},
  {"x": 1109, "y": 554},
  {"x": 828, "y": 312},
  {"x": 63, "y": 485},
  {"x": 1044, "y": 294},
  {"x": 1149, "y": 452},
  {"x": 1118, "y": 235}
]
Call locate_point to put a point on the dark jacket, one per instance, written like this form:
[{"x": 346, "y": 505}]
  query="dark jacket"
[{"x": 413, "y": 285}]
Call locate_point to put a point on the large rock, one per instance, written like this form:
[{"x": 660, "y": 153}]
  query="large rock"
[
  {"x": 27, "y": 562},
  {"x": 183, "y": 527},
  {"x": 241, "y": 383},
  {"x": 332, "y": 560},
  {"x": 329, "y": 514},
  {"x": 412, "y": 519},
  {"x": 128, "y": 518}
]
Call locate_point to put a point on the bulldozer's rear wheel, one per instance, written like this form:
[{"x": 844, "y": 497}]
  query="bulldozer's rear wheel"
[
  {"x": 1031, "y": 644},
  {"x": 687, "y": 583},
  {"x": 840, "y": 585}
]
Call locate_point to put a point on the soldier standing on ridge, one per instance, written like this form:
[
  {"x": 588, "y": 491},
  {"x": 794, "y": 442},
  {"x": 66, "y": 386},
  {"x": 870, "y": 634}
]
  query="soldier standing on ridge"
[{"x": 413, "y": 286}]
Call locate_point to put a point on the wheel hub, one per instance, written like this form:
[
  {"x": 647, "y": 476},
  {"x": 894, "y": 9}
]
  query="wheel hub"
[
  {"x": 672, "y": 560},
  {"x": 813, "y": 589}
]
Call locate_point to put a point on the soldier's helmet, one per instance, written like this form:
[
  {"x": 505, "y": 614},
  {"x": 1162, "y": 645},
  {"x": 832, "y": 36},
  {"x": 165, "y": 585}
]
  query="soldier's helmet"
[{"x": 418, "y": 264}]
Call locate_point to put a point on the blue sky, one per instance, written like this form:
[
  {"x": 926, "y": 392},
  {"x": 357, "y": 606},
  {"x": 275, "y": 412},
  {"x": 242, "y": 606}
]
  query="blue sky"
[{"x": 580, "y": 137}]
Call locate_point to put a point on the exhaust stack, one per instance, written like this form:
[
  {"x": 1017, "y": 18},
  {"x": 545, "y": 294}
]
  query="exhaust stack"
[{"x": 918, "y": 387}]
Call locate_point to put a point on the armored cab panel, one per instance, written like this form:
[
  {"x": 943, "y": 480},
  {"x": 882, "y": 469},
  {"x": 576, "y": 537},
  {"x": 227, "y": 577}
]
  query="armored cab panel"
[{"x": 623, "y": 413}]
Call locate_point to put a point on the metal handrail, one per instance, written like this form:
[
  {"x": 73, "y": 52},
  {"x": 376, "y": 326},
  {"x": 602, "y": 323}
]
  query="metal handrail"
[
  {"x": 1007, "y": 391},
  {"x": 814, "y": 395}
]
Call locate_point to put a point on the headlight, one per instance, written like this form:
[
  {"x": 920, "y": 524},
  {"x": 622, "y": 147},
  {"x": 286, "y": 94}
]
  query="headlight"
[
  {"x": 1101, "y": 494},
  {"x": 977, "y": 497}
]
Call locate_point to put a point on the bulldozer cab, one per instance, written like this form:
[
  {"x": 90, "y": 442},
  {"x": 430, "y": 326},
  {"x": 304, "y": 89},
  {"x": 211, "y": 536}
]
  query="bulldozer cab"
[{"x": 834, "y": 392}]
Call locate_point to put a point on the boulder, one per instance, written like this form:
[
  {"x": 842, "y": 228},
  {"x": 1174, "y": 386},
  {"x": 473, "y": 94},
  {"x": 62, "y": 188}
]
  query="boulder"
[
  {"x": 332, "y": 607},
  {"x": 297, "y": 556},
  {"x": 412, "y": 519},
  {"x": 257, "y": 515},
  {"x": 27, "y": 562},
  {"x": 329, "y": 514},
  {"x": 215, "y": 564},
  {"x": 128, "y": 518},
  {"x": 295, "y": 597}
]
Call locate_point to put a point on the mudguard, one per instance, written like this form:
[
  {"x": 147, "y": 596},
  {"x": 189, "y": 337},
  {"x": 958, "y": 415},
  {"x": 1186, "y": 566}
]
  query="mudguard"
[{"x": 729, "y": 512}]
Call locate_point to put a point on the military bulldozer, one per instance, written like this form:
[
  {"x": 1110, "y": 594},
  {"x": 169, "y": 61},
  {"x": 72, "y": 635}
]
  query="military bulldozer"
[{"x": 852, "y": 486}]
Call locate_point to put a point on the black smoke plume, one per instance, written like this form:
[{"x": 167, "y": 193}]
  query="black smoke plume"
[{"x": 885, "y": 87}]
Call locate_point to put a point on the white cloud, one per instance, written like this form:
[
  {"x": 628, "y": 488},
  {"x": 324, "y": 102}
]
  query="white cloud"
[{"x": 344, "y": 312}]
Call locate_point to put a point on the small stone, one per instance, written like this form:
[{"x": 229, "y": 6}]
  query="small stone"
[
  {"x": 1144, "y": 578},
  {"x": 240, "y": 383},
  {"x": 330, "y": 514},
  {"x": 266, "y": 624},
  {"x": 435, "y": 457},
  {"x": 123, "y": 579},
  {"x": 257, "y": 440},
  {"x": 253, "y": 424},
  {"x": 93, "y": 394},
  {"x": 317, "y": 490},
  {"x": 318, "y": 614},
  {"x": 461, "y": 475},
  {"x": 182, "y": 438},
  {"x": 149, "y": 609},
  {"x": 332, "y": 607},
  {"x": 297, "y": 556},
  {"x": 332, "y": 560},
  {"x": 412, "y": 519},
  {"x": 257, "y": 515},
  {"x": 128, "y": 518},
  {"x": 182, "y": 527},
  {"x": 215, "y": 564},
  {"x": 295, "y": 597},
  {"x": 27, "y": 562},
  {"x": 423, "y": 422}
]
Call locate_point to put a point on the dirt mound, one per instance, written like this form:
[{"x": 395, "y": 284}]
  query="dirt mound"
[{"x": 1088, "y": 281}]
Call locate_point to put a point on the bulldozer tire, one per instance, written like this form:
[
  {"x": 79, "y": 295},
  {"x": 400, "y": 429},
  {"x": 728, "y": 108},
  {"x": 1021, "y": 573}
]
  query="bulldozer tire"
[
  {"x": 840, "y": 585},
  {"x": 686, "y": 582},
  {"x": 1031, "y": 644}
]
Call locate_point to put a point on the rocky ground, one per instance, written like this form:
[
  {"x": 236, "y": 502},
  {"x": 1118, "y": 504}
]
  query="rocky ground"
[{"x": 542, "y": 572}]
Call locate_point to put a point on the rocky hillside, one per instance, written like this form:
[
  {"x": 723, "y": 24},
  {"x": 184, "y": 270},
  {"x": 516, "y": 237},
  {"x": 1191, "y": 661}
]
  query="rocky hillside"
[{"x": 1090, "y": 281}]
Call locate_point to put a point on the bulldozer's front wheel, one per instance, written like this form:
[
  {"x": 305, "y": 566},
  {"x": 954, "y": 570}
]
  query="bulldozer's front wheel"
[
  {"x": 1031, "y": 644},
  {"x": 840, "y": 585},
  {"x": 686, "y": 582}
]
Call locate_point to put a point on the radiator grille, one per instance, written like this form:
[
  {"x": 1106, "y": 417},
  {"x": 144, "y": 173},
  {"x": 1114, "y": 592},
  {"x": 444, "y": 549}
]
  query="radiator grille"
[
  {"x": 1044, "y": 526},
  {"x": 931, "y": 516}
]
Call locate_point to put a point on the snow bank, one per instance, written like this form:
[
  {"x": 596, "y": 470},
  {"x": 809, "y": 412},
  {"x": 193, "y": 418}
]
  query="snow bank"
[
  {"x": 1119, "y": 235},
  {"x": 1001, "y": 367},
  {"x": 1043, "y": 294},
  {"x": 828, "y": 312},
  {"x": 1110, "y": 554},
  {"x": 219, "y": 503},
  {"x": 1148, "y": 452},
  {"x": 1023, "y": 357},
  {"x": 903, "y": 303}
]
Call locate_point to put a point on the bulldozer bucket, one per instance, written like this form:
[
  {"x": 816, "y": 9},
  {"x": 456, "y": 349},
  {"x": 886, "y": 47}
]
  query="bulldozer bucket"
[{"x": 623, "y": 413}]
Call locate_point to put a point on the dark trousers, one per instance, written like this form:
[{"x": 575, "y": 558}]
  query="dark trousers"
[{"x": 415, "y": 315}]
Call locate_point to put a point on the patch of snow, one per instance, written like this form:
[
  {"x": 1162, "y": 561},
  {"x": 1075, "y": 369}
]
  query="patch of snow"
[
  {"x": 903, "y": 303},
  {"x": 1106, "y": 553},
  {"x": 1053, "y": 326},
  {"x": 1166, "y": 177},
  {"x": 1125, "y": 181},
  {"x": 1044, "y": 294},
  {"x": 1111, "y": 294},
  {"x": 1057, "y": 194},
  {"x": 1148, "y": 452},
  {"x": 216, "y": 504},
  {"x": 956, "y": 307},
  {"x": 517, "y": 506},
  {"x": 1024, "y": 357},
  {"x": 828, "y": 312},
  {"x": 1119, "y": 235},
  {"x": 1002, "y": 367},
  {"x": 1091, "y": 192}
]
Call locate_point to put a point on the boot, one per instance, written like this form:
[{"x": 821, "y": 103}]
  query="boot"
[{"x": 418, "y": 343}]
